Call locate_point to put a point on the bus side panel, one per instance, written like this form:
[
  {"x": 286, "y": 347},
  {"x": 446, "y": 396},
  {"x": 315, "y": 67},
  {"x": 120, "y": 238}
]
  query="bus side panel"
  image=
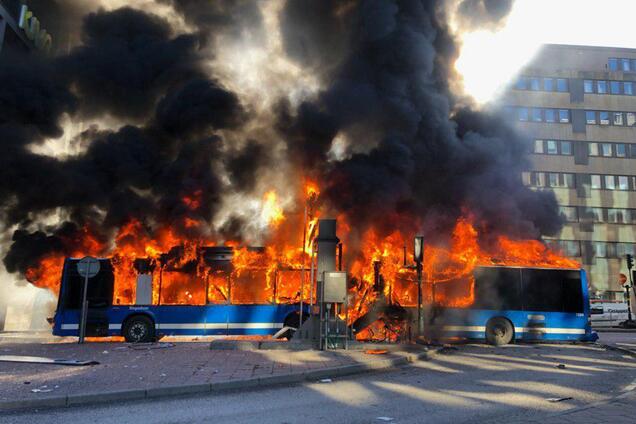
[
  {"x": 257, "y": 319},
  {"x": 66, "y": 323},
  {"x": 181, "y": 320}
]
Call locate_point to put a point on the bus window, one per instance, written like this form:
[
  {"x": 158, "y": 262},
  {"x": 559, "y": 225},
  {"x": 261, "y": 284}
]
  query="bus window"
[
  {"x": 573, "y": 292},
  {"x": 497, "y": 288},
  {"x": 552, "y": 290},
  {"x": 100, "y": 287}
]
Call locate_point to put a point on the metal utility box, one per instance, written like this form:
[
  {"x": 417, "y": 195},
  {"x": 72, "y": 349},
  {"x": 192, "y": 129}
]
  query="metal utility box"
[{"x": 334, "y": 287}]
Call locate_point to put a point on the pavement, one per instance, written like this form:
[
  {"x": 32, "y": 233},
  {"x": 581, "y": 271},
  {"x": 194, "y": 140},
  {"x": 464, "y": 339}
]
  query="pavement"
[
  {"x": 470, "y": 384},
  {"x": 127, "y": 371}
]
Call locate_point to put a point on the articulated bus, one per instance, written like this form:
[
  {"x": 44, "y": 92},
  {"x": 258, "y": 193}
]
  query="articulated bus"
[
  {"x": 520, "y": 304},
  {"x": 144, "y": 322}
]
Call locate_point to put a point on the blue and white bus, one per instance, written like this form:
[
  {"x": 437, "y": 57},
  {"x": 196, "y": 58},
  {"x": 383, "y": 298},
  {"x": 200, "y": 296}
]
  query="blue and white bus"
[
  {"x": 519, "y": 304},
  {"x": 143, "y": 323}
]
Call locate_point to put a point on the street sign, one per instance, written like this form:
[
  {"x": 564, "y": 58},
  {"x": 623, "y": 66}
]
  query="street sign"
[
  {"x": 88, "y": 267},
  {"x": 622, "y": 278}
]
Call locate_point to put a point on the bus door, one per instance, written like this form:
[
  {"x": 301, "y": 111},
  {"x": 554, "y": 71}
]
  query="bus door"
[{"x": 99, "y": 297}]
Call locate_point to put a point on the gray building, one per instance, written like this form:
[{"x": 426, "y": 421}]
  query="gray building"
[
  {"x": 578, "y": 106},
  {"x": 12, "y": 37}
]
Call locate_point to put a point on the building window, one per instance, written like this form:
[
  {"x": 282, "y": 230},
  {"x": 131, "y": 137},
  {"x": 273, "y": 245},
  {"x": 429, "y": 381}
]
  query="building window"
[
  {"x": 550, "y": 116},
  {"x": 522, "y": 83},
  {"x": 628, "y": 88},
  {"x": 618, "y": 118},
  {"x": 596, "y": 182},
  {"x": 548, "y": 84},
  {"x": 615, "y": 216},
  {"x": 625, "y": 65},
  {"x": 534, "y": 84},
  {"x": 566, "y": 148},
  {"x": 601, "y": 87},
  {"x": 569, "y": 212},
  {"x": 590, "y": 117},
  {"x": 612, "y": 64},
  {"x": 536, "y": 115},
  {"x": 621, "y": 151},
  {"x": 600, "y": 249},
  {"x": 623, "y": 249},
  {"x": 592, "y": 149},
  {"x": 610, "y": 182},
  {"x": 538, "y": 146},
  {"x": 615, "y": 87},
  {"x": 588, "y": 86},
  {"x": 552, "y": 147},
  {"x": 553, "y": 179},
  {"x": 623, "y": 182},
  {"x": 606, "y": 149},
  {"x": 564, "y": 116},
  {"x": 537, "y": 179},
  {"x": 562, "y": 85},
  {"x": 522, "y": 114},
  {"x": 603, "y": 118},
  {"x": 526, "y": 177},
  {"x": 630, "y": 119},
  {"x": 569, "y": 180}
]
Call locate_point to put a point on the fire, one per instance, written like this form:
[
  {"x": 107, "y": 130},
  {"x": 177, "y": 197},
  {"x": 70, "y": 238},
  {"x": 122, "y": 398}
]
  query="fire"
[{"x": 185, "y": 270}]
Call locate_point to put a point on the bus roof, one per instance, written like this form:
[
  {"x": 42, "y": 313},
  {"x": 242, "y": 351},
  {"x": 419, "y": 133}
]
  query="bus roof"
[{"x": 528, "y": 267}]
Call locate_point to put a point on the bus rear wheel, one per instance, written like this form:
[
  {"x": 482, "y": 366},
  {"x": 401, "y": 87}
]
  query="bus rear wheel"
[
  {"x": 139, "y": 329},
  {"x": 499, "y": 331}
]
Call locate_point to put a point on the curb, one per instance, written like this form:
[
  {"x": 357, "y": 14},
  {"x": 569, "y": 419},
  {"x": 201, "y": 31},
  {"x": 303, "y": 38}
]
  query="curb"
[
  {"x": 619, "y": 349},
  {"x": 169, "y": 391}
]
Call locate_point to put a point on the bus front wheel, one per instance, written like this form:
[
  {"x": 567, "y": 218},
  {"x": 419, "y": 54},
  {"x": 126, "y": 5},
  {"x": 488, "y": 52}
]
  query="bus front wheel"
[
  {"x": 139, "y": 329},
  {"x": 499, "y": 331}
]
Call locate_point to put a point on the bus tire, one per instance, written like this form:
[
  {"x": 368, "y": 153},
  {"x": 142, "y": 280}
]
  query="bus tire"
[
  {"x": 499, "y": 331},
  {"x": 139, "y": 329}
]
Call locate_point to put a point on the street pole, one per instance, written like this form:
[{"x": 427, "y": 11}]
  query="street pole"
[
  {"x": 420, "y": 302},
  {"x": 629, "y": 304},
  {"x": 84, "y": 309}
]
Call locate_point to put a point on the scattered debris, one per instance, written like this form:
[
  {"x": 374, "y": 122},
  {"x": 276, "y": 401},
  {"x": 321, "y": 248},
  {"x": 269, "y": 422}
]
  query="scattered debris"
[
  {"x": 385, "y": 419},
  {"x": 561, "y": 366},
  {"x": 41, "y": 390},
  {"x": 162, "y": 375},
  {"x": 561, "y": 399},
  {"x": 148, "y": 346},
  {"x": 376, "y": 351},
  {"x": 27, "y": 382},
  {"x": 326, "y": 380},
  {"x": 105, "y": 352},
  {"x": 43, "y": 360}
]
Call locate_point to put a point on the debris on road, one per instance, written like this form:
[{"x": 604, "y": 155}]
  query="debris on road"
[
  {"x": 561, "y": 366},
  {"x": 385, "y": 419},
  {"x": 376, "y": 351},
  {"x": 325, "y": 380},
  {"x": 561, "y": 399},
  {"x": 42, "y": 389},
  {"x": 43, "y": 360}
]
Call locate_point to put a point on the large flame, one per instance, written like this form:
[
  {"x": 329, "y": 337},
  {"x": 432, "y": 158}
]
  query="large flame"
[{"x": 276, "y": 272}]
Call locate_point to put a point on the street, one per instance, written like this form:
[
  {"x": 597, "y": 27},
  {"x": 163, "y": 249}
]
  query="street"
[{"x": 470, "y": 383}]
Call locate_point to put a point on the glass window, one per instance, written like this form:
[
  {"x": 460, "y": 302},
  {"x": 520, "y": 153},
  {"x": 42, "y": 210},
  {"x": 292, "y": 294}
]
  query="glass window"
[
  {"x": 526, "y": 177},
  {"x": 610, "y": 182},
  {"x": 536, "y": 115},
  {"x": 553, "y": 179},
  {"x": 592, "y": 149},
  {"x": 597, "y": 214},
  {"x": 551, "y": 147},
  {"x": 617, "y": 118},
  {"x": 549, "y": 115},
  {"x": 590, "y": 117},
  {"x": 601, "y": 87},
  {"x": 522, "y": 83},
  {"x": 564, "y": 115},
  {"x": 630, "y": 118},
  {"x": 562, "y": 84},
  {"x": 569, "y": 212},
  {"x": 633, "y": 65},
  {"x": 621, "y": 151},
  {"x": 522, "y": 113},
  {"x": 569, "y": 180},
  {"x": 623, "y": 182},
  {"x": 566, "y": 148},
  {"x": 603, "y": 118},
  {"x": 497, "y": 288},
  {"x": 628, "y": 88},
  {"x": 538, "y": 179},
  {"x": 623, "y": 249},
  {"x": 548, "y": 84},
  {"x": 596, "y": 181},
  {"x": 600, "y": 249},
  {"x": 615, "y": 87},
  {"x": 588, "y": 86},
  {"x": 538, "y": 146},
  {"x": 535, "y": 84},
  {"x": 613, "y": 64},
  {"x": 625, "y": 65},
  {"x": 615, "y": 216},
  {"x": 606, "y": 149},
  {"x": 572, "y": 248}
]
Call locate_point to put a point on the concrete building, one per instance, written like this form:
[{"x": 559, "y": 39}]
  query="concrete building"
[
  {"x": 578, "y": 105},
  {"x": 12, "y": 37}
]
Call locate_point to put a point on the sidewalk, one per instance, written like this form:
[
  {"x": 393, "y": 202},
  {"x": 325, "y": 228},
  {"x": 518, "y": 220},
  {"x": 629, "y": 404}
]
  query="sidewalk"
[{"x": 128, "y": 372}]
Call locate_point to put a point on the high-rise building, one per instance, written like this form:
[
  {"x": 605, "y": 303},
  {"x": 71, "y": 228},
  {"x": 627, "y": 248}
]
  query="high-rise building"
[
  {"x": 578, "y": 106},
  {"x": 12, "y": 37}
]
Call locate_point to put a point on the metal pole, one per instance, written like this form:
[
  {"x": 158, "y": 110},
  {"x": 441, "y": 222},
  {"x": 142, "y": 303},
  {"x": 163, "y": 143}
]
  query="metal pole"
[
  {"x": 311, "y": 279},
  {"x": 302, "y": 267},
  {"x": 631, "y": 283},
  {"x": 82, "y": 329},
  {"x": 629, "y": 304},
  {"x": 420, "y": 303}
]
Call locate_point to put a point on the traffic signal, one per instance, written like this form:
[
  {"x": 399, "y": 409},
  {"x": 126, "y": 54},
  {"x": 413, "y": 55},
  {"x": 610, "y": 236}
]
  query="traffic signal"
[{"x": 630, "y": 261}]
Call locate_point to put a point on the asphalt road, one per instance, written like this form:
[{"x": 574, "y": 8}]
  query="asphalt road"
[{"x": 471, "y": 384}]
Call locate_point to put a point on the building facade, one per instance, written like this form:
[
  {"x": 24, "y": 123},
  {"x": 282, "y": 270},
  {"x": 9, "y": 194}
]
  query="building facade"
[{"x": 577, "y": 104}]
